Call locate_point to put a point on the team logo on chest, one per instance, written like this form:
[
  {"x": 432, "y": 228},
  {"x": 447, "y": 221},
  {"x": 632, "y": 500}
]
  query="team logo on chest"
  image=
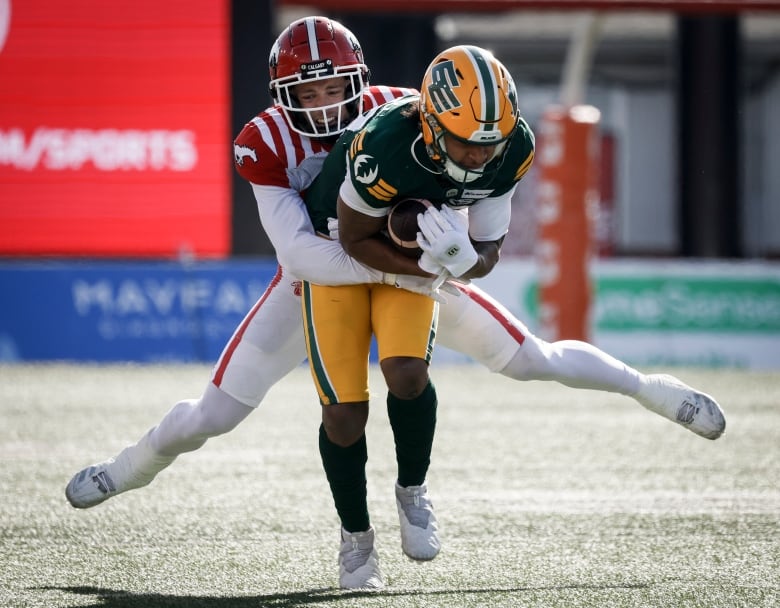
[
  {"x": 365, "y": 168},
  {"x": 366, "y": 171}
]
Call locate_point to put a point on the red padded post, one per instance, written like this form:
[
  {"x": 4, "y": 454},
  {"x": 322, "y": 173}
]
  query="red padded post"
[{"x": 568, "y": 191}]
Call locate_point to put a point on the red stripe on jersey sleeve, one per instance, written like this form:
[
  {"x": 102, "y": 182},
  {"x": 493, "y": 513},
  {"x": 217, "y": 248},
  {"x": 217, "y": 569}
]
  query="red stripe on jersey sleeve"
[
  {"x": 255, "y": 161},
  {"x": 377, "y": 95}
]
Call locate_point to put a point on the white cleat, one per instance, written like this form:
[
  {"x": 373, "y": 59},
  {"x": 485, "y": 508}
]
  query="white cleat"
[
  {"x": 359, "y": 561},
  {"x": 134, "y": 467},
  {"x": 419, "y": 528},
  {"x": 669, "y": 397},
  {"x": 91, "y": 486}
]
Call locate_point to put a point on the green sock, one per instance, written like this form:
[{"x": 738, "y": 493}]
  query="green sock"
[
  {"x": 413, "y": 422},
  {"x": 345, "y": 469}
]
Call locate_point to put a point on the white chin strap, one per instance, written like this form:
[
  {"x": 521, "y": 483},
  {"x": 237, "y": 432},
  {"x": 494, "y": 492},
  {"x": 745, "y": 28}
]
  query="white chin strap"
[
  {"x": 464, "y": 176},
  {"x": 458, "y": 174}
]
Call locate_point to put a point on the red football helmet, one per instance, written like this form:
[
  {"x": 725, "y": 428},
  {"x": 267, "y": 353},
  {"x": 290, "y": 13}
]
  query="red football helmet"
[{"x": 312, "y": 49}]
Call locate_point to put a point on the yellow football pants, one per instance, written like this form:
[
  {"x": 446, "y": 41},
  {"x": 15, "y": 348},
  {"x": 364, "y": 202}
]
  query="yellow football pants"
[{"x": 338, "y": 324}]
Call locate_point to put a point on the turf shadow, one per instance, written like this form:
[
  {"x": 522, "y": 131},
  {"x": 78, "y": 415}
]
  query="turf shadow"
[
  {"x": 117, "y": 598},
  {"x": 113, "y": 598}
]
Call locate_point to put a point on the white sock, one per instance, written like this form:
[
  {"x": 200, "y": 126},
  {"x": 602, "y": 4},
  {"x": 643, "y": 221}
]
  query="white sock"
[{"x": 572, "y": 363}]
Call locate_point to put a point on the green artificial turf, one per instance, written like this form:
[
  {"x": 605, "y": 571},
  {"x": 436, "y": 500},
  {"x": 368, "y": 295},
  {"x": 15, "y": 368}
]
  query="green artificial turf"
[{"x": 547, "y": 497}]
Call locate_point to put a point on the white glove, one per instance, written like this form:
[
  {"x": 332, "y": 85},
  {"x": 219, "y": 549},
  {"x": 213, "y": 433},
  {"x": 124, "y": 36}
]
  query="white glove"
[
  {"x": 459, "y": 219},
  {"x": 426, "y": 262},
  {"x": 333, "y": 228},
  {"x": 413, "y": 283},
  {"x": 447, "y": 243},
  {"x": 429, "y": 265},
  {"x": 422, "y": 285}
]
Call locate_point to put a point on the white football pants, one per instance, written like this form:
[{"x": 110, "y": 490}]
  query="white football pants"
[{"x": 269, "y": 343}]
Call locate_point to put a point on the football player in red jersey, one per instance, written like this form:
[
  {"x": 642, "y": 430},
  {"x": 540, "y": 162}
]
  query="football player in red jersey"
[{"x": 279, "y": 152}]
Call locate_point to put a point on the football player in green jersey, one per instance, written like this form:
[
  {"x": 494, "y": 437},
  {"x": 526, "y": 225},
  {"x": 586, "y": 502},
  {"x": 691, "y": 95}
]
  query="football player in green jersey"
[{"x": 462, "y": 145}]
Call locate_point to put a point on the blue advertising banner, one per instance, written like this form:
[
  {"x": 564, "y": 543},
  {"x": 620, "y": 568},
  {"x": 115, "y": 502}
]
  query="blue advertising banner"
[
  {"x": 713, "y": 314},
  {"x": 125, "y": 311}
]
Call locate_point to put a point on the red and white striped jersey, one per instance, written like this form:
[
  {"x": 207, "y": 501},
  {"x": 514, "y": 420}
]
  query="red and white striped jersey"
[{"x": 268, "y": 152}]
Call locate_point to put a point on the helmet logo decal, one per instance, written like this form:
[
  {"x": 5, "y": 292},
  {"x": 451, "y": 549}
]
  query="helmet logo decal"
[
  {"x": 443, "y": 80},
  {"x": 273, "y": 59},
  {"x": 366, "y": 169}
]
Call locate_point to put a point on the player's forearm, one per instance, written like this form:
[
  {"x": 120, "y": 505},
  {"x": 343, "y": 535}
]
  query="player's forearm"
[
  {"x": 324, "y": 262},
  {"x": 361, "y": 236},
  {"x": 299, "y": 250},
  {"x": 377, "y": 253},
  {"x": 489, "y": 253}
]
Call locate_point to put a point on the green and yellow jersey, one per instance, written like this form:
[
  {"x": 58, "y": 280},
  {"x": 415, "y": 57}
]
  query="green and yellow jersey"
[{"x": 383, "y": 158}]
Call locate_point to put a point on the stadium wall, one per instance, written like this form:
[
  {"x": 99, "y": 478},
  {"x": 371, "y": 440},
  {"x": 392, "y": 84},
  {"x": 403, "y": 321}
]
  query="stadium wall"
[{"x": 670, "y": 312}]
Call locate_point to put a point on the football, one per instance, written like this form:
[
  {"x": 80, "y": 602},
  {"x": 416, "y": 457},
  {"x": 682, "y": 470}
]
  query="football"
[{"x": 402, "y": 225}]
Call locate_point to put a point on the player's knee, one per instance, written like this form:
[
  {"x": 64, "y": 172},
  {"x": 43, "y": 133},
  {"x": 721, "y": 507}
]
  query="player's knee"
[
  {"x": 406, "y": 377},
  {"x": 344, "y": 423},
  {"x": 531, "y": 361},
  {"x": 219, "y": 413}
]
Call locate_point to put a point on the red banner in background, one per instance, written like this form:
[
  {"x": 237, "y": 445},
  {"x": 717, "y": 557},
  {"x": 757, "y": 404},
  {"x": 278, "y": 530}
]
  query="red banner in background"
[{"x": 114, "y": 128}]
